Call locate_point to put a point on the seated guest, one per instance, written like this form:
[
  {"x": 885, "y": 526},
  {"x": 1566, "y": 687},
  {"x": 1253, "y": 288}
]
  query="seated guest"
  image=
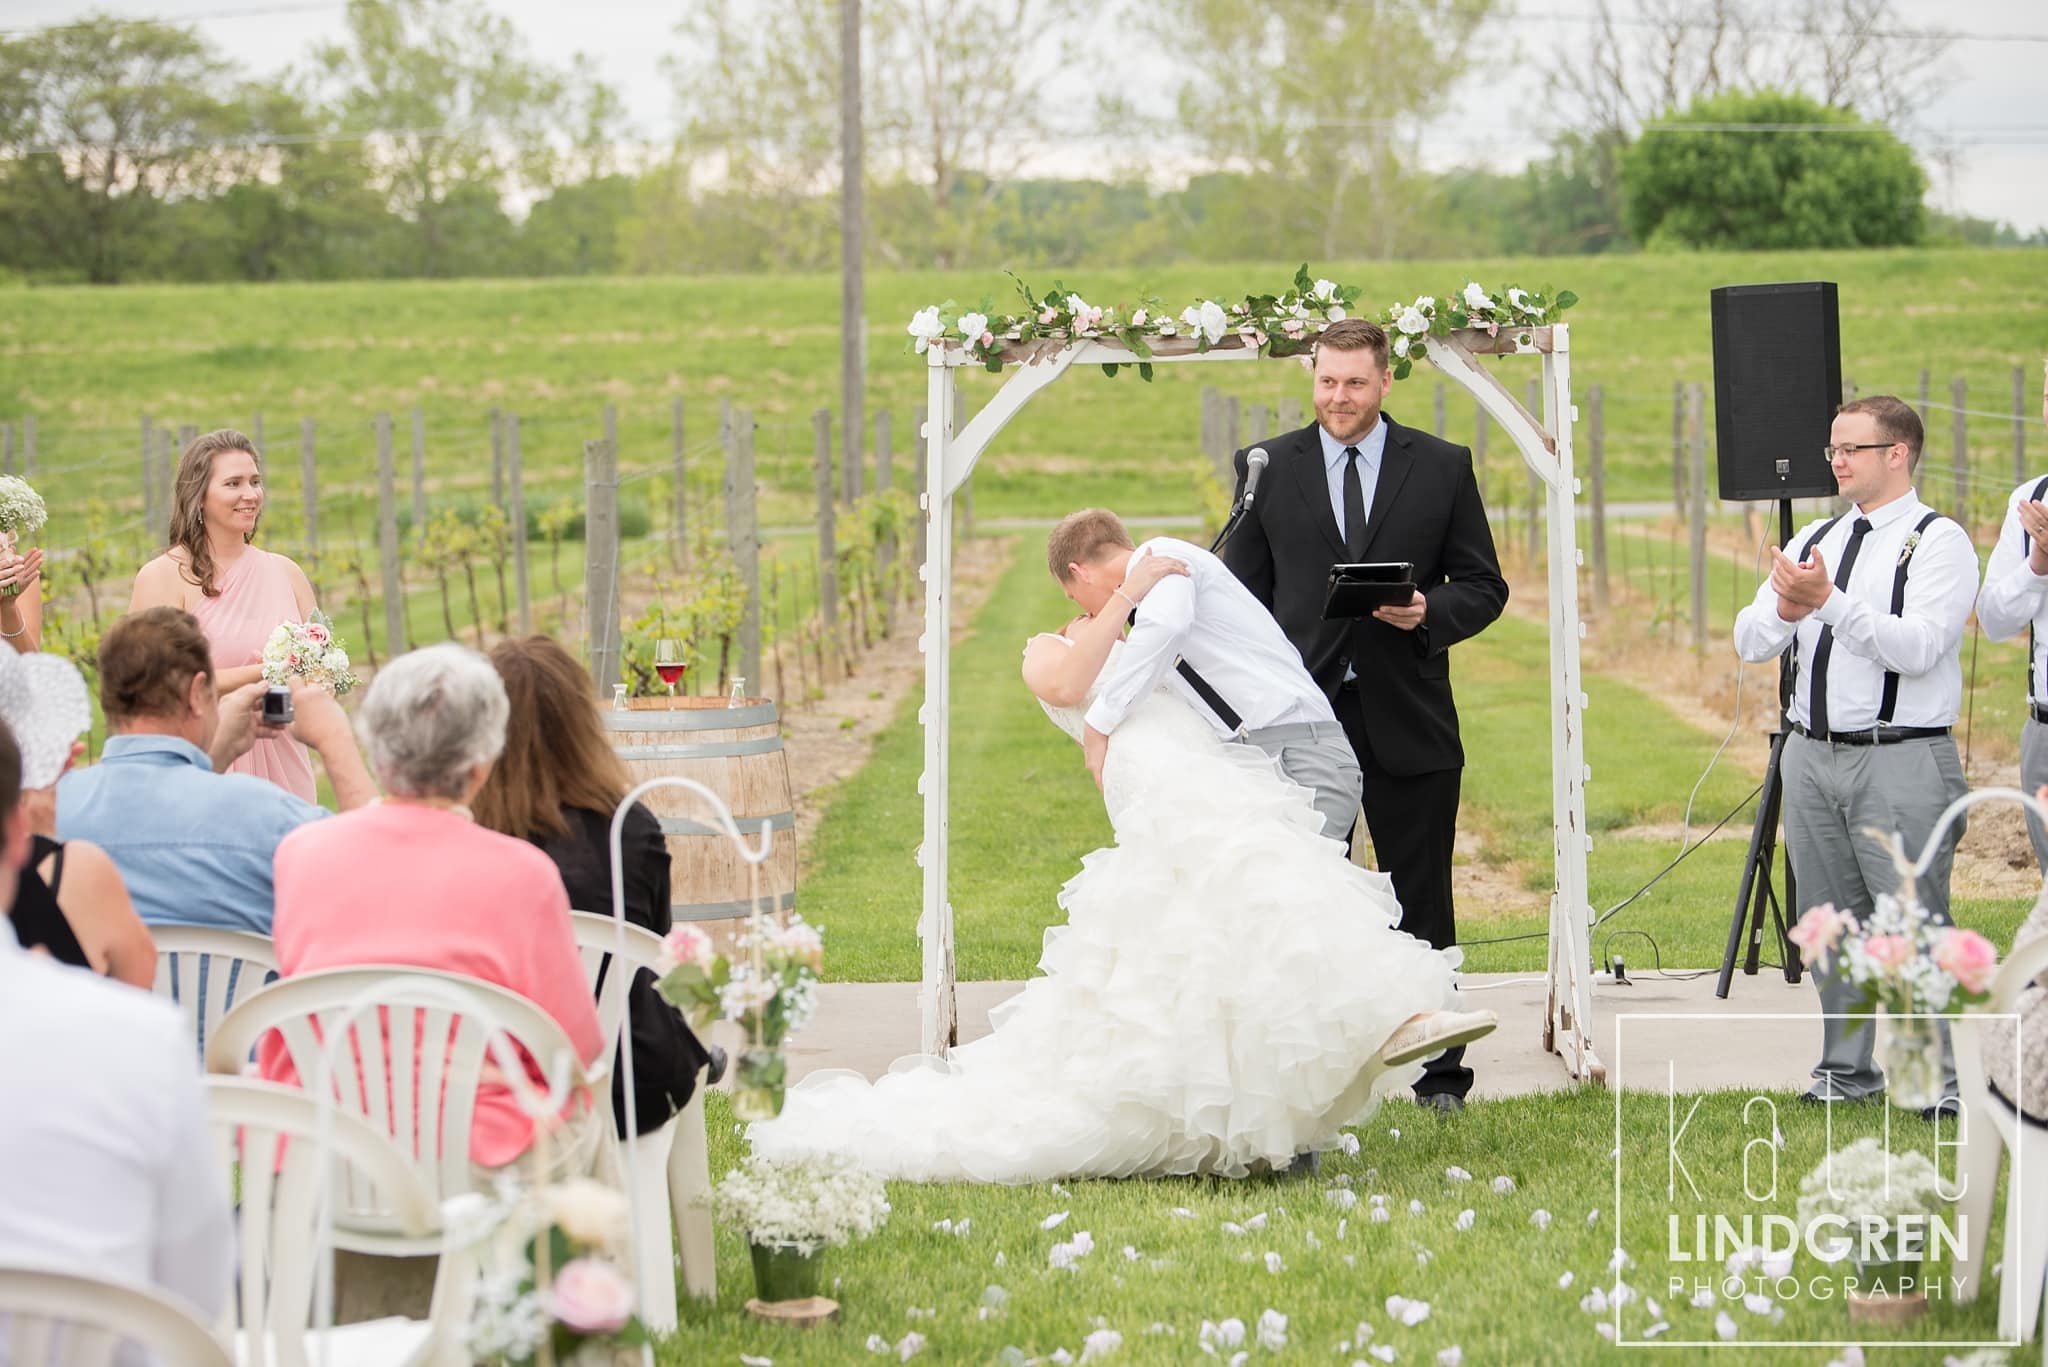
[
  {"x": 414, "y": 881},
  {"x": 71, "y": 903},
  {"x": 106, "y": 1167},
  {"x": 194, "y": 844},
  {"x": 556, "y": 786}
]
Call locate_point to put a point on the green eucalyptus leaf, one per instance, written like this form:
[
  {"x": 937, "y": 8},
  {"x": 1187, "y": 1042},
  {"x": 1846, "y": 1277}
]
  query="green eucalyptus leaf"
[
  {"x": 1145, "y": 371},
  {"x": 1109, "y": 369}
]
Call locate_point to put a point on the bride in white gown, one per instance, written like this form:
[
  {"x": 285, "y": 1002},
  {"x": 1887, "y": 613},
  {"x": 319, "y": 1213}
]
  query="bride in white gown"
[{"x": 1228, "y": 990}]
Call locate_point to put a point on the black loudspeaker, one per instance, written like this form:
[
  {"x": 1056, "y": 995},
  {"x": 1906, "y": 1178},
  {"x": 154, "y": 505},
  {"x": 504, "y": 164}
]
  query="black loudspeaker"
[{"x": 1777, "y": 384}]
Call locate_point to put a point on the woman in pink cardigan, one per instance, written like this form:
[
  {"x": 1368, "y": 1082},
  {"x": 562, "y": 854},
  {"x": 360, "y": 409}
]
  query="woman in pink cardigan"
[{"x": 412, "y": 880}]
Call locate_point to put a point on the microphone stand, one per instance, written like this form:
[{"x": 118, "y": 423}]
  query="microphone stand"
[{"x": 1237, "y": 511}]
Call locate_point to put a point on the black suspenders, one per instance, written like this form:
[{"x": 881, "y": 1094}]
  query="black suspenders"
[
  {"x": 2026, "y": 549},
  {"x": 1889, "y": 701},
  {"x": 1207, "y": 694}
]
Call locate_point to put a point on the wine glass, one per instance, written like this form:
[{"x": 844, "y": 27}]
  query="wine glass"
[{"x": 669, "y": 662}]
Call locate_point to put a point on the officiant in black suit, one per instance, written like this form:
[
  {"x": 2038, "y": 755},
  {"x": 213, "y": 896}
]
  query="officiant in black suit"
[{"x": 1357, "y": 486}]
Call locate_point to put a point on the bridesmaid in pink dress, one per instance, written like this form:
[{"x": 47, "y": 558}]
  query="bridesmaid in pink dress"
[{"x": 239, "y": 592}]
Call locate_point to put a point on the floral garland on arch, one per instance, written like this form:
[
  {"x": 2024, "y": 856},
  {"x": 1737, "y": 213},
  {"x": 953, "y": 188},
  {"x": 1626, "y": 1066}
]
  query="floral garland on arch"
[{"x": 1285, "y": 323}]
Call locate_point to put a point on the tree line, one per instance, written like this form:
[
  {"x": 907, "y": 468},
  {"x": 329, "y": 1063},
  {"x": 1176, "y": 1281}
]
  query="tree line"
[{"x": 430, "y": 141}]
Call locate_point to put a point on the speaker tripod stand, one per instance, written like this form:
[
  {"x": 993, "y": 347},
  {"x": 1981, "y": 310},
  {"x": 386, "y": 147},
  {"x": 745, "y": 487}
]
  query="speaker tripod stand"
[{"x": 1756, "y": 897}]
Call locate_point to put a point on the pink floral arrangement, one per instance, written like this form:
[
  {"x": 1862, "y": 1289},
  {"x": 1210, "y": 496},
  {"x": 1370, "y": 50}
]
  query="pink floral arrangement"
[
  {"x": 306, "y": 652},
  {"x": 1904, "y": 959}
]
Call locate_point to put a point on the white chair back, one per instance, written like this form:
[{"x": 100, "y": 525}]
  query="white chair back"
[
  {"x": 597, "y": 937},
  {"x": 61, "y": 1319},
  {"x": 206, "y": 971},
  {"x": 279, "y": 1213},
  {"x": 419, "y": 1061}
]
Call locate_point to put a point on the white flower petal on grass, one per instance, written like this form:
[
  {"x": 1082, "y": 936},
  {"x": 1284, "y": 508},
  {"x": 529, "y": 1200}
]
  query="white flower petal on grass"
[
  {"x": 1348, "y": 1142},
  {"x": 1310, "y": 1238},
  {"x": 1656, "y": 1310},
  {"x": 1593, "y": 1216},
  {"x": 1454, "y": 1173},
  {"x": 1272, "y": 1330},
  {"x": 1623, "y": 1293},
  {"x": 1343, "y": 1198},
  {"x": 1131, "y": 1255},
  {"x": 1342, "y": 1225},
  {"x": 1660, "y": 1327},
  {"x": 1540, "y": 1219},
  {"x": 1273, "y": 1263},
  {"x": 1757, "y": 1303},
  {"x": 1182, "y": 1213},
  {"x": 1257, "y": 1221},
  {"x": 1464, "y": 1220},
  {"x": 1100, "y": 1344},
  {"x": 1724, "y": 1326},
  {"x": 1416, "y": 1207},
  {"x": 1778, "y": 1265},
  {"x": 1232, "y": 1227},
  {"x": 1410, "y": 1313},
  {"x": 1503, "y": 1184},
  {"x": 1363, "y": 1334},
  {"x": 1453, "y": 1356},
  {"x": 1422, "y": 1257},
  {"x": 1054, "y": 1221},
  {"x": 1227, "y": 1334},
  {"x": 942, "y": 1227},
  {"x": 920, "y": 1313},
  {"x": 750, "y": 1361},
  {"x": 1394, "y": 1135},
  {"x": 1061, "y": 1356},
  {"x": 1702, "y": 1299},
  {"x": 1605, "y": 1329},
  {"x": 994, "y": 1297},
  {"x": 1594, "y": 1302},
  {"x": 1066, "y": 1255},
  {"x": 1564, "y": 1283},
  {"x": 878, "y": 1344},
  {"x": 1380, "y": 1215},
  {"x": 1377, "y": 1199},
  {"x": 1000, "y": 1259},
  {"x": 1383, "y": 1351}
]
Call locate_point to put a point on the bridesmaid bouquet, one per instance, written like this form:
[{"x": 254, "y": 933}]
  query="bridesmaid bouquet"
[
  {"x": 767, "y": 987},
  {"x": 307, "y": 652},
  {"x": 21, "y": 514}
]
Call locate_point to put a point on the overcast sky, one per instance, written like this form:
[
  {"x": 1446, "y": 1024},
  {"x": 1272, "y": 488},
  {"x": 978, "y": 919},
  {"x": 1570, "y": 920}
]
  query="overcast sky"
[{"x": 1991, "y": 112}]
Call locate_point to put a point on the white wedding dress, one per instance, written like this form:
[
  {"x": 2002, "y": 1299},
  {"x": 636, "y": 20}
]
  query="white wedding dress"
[{"x": 1216, "y": 999}]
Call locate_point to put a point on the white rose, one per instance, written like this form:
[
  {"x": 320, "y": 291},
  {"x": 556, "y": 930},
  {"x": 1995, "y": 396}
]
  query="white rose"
[
  {"x": 1401, "y": 345},
  {"x": 1477, "y": 298},
  {"x": 926, "y": 327},
  {"x": 1427, "y": 303},
  {"x": 1411, "y": 321},
  {"x": 1521, "y": 301},
  {"x": 1138, "y": 318},
  {"x": 1326, "y": 289},
  {"x": 972, "y": 325},
  {"x": 1335, "y": 313},
  {"x": 1077, "y": 306},
  {"x": 337, "y": 660},
  {"x": 589, "y": 1212}
]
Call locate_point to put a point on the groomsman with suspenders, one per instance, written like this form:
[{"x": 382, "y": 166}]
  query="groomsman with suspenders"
[
  {"x": 1873, "y": 605},
  {"x": 2015, "y": 597}
]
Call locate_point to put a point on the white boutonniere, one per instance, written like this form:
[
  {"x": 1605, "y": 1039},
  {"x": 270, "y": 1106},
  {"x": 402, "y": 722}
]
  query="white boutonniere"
[{"x": 1906, "y": 551}]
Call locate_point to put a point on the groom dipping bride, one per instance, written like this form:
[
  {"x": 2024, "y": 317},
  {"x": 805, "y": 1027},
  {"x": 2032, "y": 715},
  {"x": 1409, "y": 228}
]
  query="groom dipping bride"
[{"x": 1228, "y": 990}]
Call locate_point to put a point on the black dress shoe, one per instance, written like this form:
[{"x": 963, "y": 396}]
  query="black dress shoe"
[
  {"x": 714, "y": 1070},
  {"x": 1949, "y": 1106},
  {"x": 1443, "y": 1103}
]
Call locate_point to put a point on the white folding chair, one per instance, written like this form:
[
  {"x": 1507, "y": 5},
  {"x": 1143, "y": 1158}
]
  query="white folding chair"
[
  {"x": 673, "y": 1160},
  {"x": 285, "y": 1149},
  {"x": 63, "y": 1319},
  {"x": 419, "y": 1061},
  {"x": 205, "y": 971},
  {"x": 1990, "y": 1129}
]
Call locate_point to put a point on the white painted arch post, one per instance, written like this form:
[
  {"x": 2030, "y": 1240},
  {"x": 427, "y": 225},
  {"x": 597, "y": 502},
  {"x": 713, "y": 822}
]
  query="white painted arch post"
[{"x": 1544, "y": 441}]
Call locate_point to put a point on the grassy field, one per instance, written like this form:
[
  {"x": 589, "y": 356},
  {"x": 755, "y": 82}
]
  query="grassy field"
[
  {"x": 1164, "y": 1261},
  {"x": 1024, "y": 810},
  {"x": 89, "y": 363}
]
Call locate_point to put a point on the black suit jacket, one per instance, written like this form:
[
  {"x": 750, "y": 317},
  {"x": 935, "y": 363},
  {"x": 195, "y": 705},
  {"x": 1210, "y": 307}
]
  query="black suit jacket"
[{"x": 1426, "y": 509}]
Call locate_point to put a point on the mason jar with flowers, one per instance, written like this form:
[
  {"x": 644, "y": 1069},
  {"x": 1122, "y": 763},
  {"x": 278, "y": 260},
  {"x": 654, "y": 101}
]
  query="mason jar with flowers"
[
  {"x": 767, "y": 987},
  {"x": 550, "y": 1284},
  {"x": 793, "y": 1210},
  {"x": 1880, "y": 1210},
  {"x": 1918, "y": 968}
]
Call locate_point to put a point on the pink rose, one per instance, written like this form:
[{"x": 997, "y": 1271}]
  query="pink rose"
[
  {"x": 687, "y": 945},
  {"x": 590, "y": 1297},
  {"x": 292, "y": 660},
  {"x": 1818, "y": 932},
  {"x": 988, "y": 338},
  {"x": 1967, "y": 957},
  {"x": 1888, "y": 951},
  {"x": 318, "y": 634},
  {"x": 1047, "y": 314}
]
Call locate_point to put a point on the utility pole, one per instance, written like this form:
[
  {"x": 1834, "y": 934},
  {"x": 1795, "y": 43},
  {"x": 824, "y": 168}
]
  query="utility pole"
[{"x": 853, "y": 336}]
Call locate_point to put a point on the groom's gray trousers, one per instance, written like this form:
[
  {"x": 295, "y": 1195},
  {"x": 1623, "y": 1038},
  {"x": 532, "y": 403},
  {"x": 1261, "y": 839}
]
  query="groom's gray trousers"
[{"x": 1318, "y": 757}]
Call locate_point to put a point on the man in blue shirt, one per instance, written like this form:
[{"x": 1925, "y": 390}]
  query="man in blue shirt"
[{"x": 194, "y": 846}]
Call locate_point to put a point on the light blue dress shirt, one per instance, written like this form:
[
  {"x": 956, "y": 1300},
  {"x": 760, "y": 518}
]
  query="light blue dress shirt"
[
  {"x": 1370, "y": 452},
  {"x": 193, "y": 846}
]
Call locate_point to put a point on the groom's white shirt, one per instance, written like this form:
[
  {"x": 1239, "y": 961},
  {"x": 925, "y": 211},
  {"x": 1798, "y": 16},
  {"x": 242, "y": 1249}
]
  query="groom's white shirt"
[{"x": 1210, "y": 619}]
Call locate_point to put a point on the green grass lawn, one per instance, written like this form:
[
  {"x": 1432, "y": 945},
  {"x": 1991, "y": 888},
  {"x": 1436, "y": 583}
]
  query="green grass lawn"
[
  {"x": 88, "y": 363},
  {"x": 1163, "y": 1261}
]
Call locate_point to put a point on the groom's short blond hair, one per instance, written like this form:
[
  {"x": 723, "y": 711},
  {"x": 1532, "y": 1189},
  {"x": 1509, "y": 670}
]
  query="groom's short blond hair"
[{"x": 1082, "y": 538}]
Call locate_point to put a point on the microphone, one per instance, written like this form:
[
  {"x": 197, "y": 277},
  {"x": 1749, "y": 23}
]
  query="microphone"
[{"x": 1254, "y": 466}]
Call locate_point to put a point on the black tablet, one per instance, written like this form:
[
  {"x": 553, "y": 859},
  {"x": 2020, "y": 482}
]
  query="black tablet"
[{"x": 1355, "y": 590}]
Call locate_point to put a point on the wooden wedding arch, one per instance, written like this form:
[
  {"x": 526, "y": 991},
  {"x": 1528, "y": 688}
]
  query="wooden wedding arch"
[{"x": 1545, "y": 444}]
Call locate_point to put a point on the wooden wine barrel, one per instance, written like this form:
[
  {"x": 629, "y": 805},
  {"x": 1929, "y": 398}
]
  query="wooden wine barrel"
[{"x": 737, "y": 753}]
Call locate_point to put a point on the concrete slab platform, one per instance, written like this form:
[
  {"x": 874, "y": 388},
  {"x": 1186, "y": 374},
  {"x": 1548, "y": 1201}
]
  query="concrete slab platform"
[{"x": 1732, "y": 1043}]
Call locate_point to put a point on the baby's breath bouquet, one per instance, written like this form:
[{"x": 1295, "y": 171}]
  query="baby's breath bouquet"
[
  {"x": 791, "y": 1210},
  {"x": 307, "y": 652},
  {"x": 767, "y": 986},
  {"x": 1870, "y": 1198},
  {"x": 21, "y": 514}
]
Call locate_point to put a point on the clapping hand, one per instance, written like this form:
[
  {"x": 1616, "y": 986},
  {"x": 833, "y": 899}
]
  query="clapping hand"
[{"x": 1801, "y": 586}]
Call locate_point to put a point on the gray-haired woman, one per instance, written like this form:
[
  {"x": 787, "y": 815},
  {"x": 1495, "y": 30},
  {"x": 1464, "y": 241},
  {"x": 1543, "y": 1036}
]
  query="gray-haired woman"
[{"x": 413, "y": 880}]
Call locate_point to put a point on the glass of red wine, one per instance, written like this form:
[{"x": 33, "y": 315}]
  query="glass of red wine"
[{"x": 669, "y": 662}]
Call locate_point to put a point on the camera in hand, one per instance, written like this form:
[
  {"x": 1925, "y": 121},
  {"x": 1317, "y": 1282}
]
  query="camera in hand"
[{"x": 277, "y": 706}]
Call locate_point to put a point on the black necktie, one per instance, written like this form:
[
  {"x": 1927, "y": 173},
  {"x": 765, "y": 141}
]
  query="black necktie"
[
  {"x": 1354, "y": 506},
  {"x": 1817, "y": 696}
]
